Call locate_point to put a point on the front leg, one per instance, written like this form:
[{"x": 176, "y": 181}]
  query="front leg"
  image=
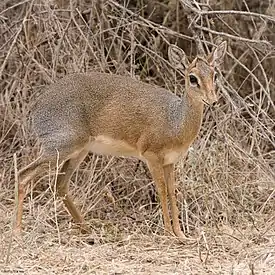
[
  {"x": 155, "y": 166},
  {"x": 170, "y": 181}
]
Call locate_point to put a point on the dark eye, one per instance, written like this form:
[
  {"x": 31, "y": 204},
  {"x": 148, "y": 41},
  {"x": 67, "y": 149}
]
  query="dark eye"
[
  {"x": 215, "y": 77},
  {"x": 193, "y": 80}
]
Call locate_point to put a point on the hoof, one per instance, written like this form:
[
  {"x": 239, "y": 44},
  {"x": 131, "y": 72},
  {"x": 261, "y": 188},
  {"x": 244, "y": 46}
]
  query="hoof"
[
  {"x": 83, "y": 228},
  {"x": 17, "y": 231}
]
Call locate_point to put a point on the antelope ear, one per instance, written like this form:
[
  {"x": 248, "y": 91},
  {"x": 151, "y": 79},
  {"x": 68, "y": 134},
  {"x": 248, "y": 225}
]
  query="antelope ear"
[
  {"x": 216, "y": 57},
  {"x": 177, "y": 57}
]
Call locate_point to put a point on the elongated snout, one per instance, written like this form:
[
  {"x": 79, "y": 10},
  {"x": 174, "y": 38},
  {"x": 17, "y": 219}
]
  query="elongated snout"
[{"x": 211, "y": 97}]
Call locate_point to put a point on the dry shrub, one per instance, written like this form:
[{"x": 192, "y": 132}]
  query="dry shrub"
[{"x": 227, "y": 181}]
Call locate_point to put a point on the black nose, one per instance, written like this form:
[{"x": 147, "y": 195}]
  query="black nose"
[{"x": 215, "y": 104}]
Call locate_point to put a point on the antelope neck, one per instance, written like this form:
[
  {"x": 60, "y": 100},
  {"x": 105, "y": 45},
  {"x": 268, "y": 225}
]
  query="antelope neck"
[{"x": 192, "y": 115}]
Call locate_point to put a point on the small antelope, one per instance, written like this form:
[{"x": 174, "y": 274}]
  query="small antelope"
[{"x": 117, "y": 115}]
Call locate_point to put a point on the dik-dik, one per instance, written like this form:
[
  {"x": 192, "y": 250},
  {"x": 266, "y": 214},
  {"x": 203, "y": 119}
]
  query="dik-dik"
[{"x": 116, "y": 115}]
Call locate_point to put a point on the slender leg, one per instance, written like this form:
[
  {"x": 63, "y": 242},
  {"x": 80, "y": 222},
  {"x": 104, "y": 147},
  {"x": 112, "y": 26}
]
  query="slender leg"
[
  {"x": 25, "y": 175},
  {"x": 62, "y": 185},
  {"x": 65, "y": 144},
  {"x": 156, "y": 169},
  {"x": 170, "y": 181}
]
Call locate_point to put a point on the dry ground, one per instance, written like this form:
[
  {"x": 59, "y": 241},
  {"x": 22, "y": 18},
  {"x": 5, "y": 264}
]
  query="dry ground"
[
  {"x": 226, "y": 187},
  {"x": 50, "y": 245}
]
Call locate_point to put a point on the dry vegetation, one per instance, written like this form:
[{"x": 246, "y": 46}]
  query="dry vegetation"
[{"x": 225, "y": 187}]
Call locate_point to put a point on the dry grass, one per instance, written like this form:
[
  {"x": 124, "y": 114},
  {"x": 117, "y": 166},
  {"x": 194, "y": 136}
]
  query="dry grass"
[{"x": 226, "y": 185}]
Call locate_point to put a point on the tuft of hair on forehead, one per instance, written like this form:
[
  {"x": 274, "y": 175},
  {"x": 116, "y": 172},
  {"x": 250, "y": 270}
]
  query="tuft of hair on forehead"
[
  {"x": 202, "y": 64},
  {"x": 203, "y": 59},
  {"x": 199, "y": 59}
]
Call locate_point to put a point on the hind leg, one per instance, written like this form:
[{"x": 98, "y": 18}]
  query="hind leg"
[
  {"x": 58, "y": 146},
  {"x": 24, "y": 176},
  {"x": 62, "y": 184}
]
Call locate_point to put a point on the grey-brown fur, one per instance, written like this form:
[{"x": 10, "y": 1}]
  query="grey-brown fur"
[
  {"x": 117, "y": 115},
  {"x": 128, "y": 112}
]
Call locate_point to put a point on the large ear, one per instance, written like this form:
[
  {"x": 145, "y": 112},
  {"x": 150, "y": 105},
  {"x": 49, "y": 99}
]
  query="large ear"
[
  {"x": 177, "y": 57},
  {"x": 216, "y": 57}
]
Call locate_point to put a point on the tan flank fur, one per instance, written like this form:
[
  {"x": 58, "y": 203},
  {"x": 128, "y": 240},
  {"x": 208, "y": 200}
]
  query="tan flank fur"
[{"x": 116, "y": 115}]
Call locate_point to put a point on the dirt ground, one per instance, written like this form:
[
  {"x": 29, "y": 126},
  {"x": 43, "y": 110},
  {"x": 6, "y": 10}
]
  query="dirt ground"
[
  {"x": 225, "y": 187},
  {"x": 60, "y": 249}
]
